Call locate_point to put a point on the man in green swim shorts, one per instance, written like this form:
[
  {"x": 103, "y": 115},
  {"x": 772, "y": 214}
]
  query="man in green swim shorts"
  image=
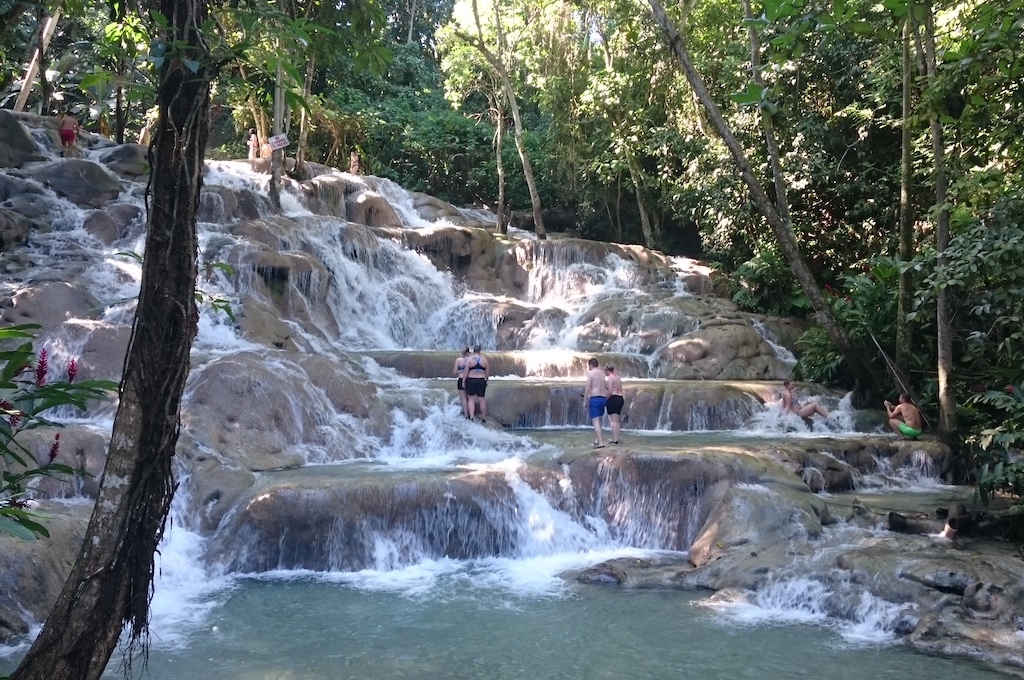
[{"x": 904, "y": 419}]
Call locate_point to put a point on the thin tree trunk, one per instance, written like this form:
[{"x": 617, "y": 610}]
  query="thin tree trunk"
[
  {"x": 499, "y": 148},
  {"x": 111, "y": 582},
  {"x": 906, "y": 218},
  {"x": 49, "y": 26},
  {"x": 782, "y": 229},
  {"x": 645, "y": 220},
  {"x": 119, "y": 112},
  {"x": 307, "y": 87},
  {"x": 943, "y": 320},
  {"x": 277, "y": 155},
  {"x": 781, "y": 200}
]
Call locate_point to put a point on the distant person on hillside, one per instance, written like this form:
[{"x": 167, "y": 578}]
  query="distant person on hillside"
[
  {"x": 68, "y": 128},
  {"x": 615, "y": 400},
  {"x": 474, "y": 378},
  {"x": 791, "y": 405},
  {"x": 458, "y": 369},
  {"x": 904, "y": 419},
  {"x": 254, "y": 144},
  {"x": 595, "y": 398}
]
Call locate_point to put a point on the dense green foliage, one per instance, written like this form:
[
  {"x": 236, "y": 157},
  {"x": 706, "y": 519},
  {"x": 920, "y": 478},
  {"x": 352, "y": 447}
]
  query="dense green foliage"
[
  {"x": 26, "y": 395},
  {"x": 617, "y": 141}
]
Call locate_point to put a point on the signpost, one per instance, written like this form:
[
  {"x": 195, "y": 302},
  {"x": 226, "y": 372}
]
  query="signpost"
[{"x": 278, "y": 142}]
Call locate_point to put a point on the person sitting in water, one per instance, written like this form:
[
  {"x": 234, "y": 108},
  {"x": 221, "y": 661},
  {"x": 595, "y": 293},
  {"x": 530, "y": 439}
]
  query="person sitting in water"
[
  {"x": 904, "y": 419},
  {"x": 458, "y": 369},
  {"x": 474, "y": 378},
  {"x": 791, "y": 405}
]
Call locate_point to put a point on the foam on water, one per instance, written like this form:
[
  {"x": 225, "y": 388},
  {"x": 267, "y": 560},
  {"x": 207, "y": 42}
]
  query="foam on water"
[{"x": 870, "y": 620}]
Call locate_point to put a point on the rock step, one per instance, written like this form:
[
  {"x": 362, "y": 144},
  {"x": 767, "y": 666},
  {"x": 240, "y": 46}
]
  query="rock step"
[{"x": 650, "y": 404}]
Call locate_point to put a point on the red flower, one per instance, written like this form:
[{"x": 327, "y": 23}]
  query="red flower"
[
  {"x": 55, "y": 448},
  {"x": 72, "y": 371},
  {"x": 41, "y": 367}
]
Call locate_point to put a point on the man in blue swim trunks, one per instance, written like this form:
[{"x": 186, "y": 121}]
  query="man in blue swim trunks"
[
  {"x": 904, "y": 419},
  {"x": 595, "y": 398}
]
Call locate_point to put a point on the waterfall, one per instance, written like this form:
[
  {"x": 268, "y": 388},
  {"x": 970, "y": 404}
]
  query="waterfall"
[{"x": 322, "y": 438}]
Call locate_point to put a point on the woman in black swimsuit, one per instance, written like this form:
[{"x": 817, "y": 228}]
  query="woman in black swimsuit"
[{"x": 475, "y": 377}]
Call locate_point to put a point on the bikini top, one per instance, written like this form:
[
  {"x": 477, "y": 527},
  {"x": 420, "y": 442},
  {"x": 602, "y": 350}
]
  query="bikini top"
[{"x": 478, "y": 366}]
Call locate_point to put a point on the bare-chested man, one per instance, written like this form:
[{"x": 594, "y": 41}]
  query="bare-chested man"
[
  {"x": 615, "y": 400},
  {"x": 595, "y": 398},
  {"x": 904, "y": 419}
]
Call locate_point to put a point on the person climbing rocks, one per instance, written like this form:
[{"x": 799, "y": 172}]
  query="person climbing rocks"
[
  {"x": 68, "y": 128},
  {"x": 595, "y": 398},
  {"x": 791, "y": 405},
  {"x": 904, "y": 418}
]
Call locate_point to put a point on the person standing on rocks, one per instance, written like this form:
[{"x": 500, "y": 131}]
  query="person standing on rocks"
[
  {"x": 474, "y": 378},
  {"x": 595, "y": 398},
  {"x": 68, "y": 128},
  {"x": 458, "y": 369},
  {"x": 905, "y": 418},
  {"x": 254, "y": 144},
  {"x": 615, "y": 401}
]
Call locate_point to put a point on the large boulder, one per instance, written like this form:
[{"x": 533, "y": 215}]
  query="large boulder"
[
  {"x": 14, "y": 229},
  {"x": 49, "y": 305},
  {"x": 127, "y": 160},
  {"x": 82, "y": 182},
  {"x": 32, "y": 573},
  {"x": 324, "y": 521},
  {"x": 727, "y": 350},
  {"x": 17, "y": 147},
  {"x": 224, "y": 205},
  {"x": 372, "y": 209},
  {"x": 267, "y": 413}
]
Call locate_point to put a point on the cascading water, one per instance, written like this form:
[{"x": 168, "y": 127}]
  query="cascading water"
[{"x": 430, "y": 519}]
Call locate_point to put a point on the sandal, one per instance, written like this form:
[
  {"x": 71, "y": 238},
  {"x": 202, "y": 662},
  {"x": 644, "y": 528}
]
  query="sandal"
[{"x": 598, "y": 446}]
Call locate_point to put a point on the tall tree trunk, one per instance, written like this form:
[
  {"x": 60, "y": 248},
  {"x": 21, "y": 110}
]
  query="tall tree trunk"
[
  {"x": 906, "y": 218},
  {"x": 111, "y": 582},
  {"x": 943, "y": 320},
  {"x": 513, "y": 105},
  {"x": 45, "y": 33},
  {"x": 782, "y": 229}
]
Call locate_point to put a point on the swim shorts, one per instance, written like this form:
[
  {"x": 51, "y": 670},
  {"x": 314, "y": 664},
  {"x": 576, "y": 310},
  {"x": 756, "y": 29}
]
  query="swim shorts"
[
  {"x": 908, "y": 431},
  {"x": 67, "y": 136},
  {"x": 458, "y": 385},
  {"x": 596, "y": 406},
  {"x": 475, "y": 387},
  {"x": 615, "y": 404}
]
